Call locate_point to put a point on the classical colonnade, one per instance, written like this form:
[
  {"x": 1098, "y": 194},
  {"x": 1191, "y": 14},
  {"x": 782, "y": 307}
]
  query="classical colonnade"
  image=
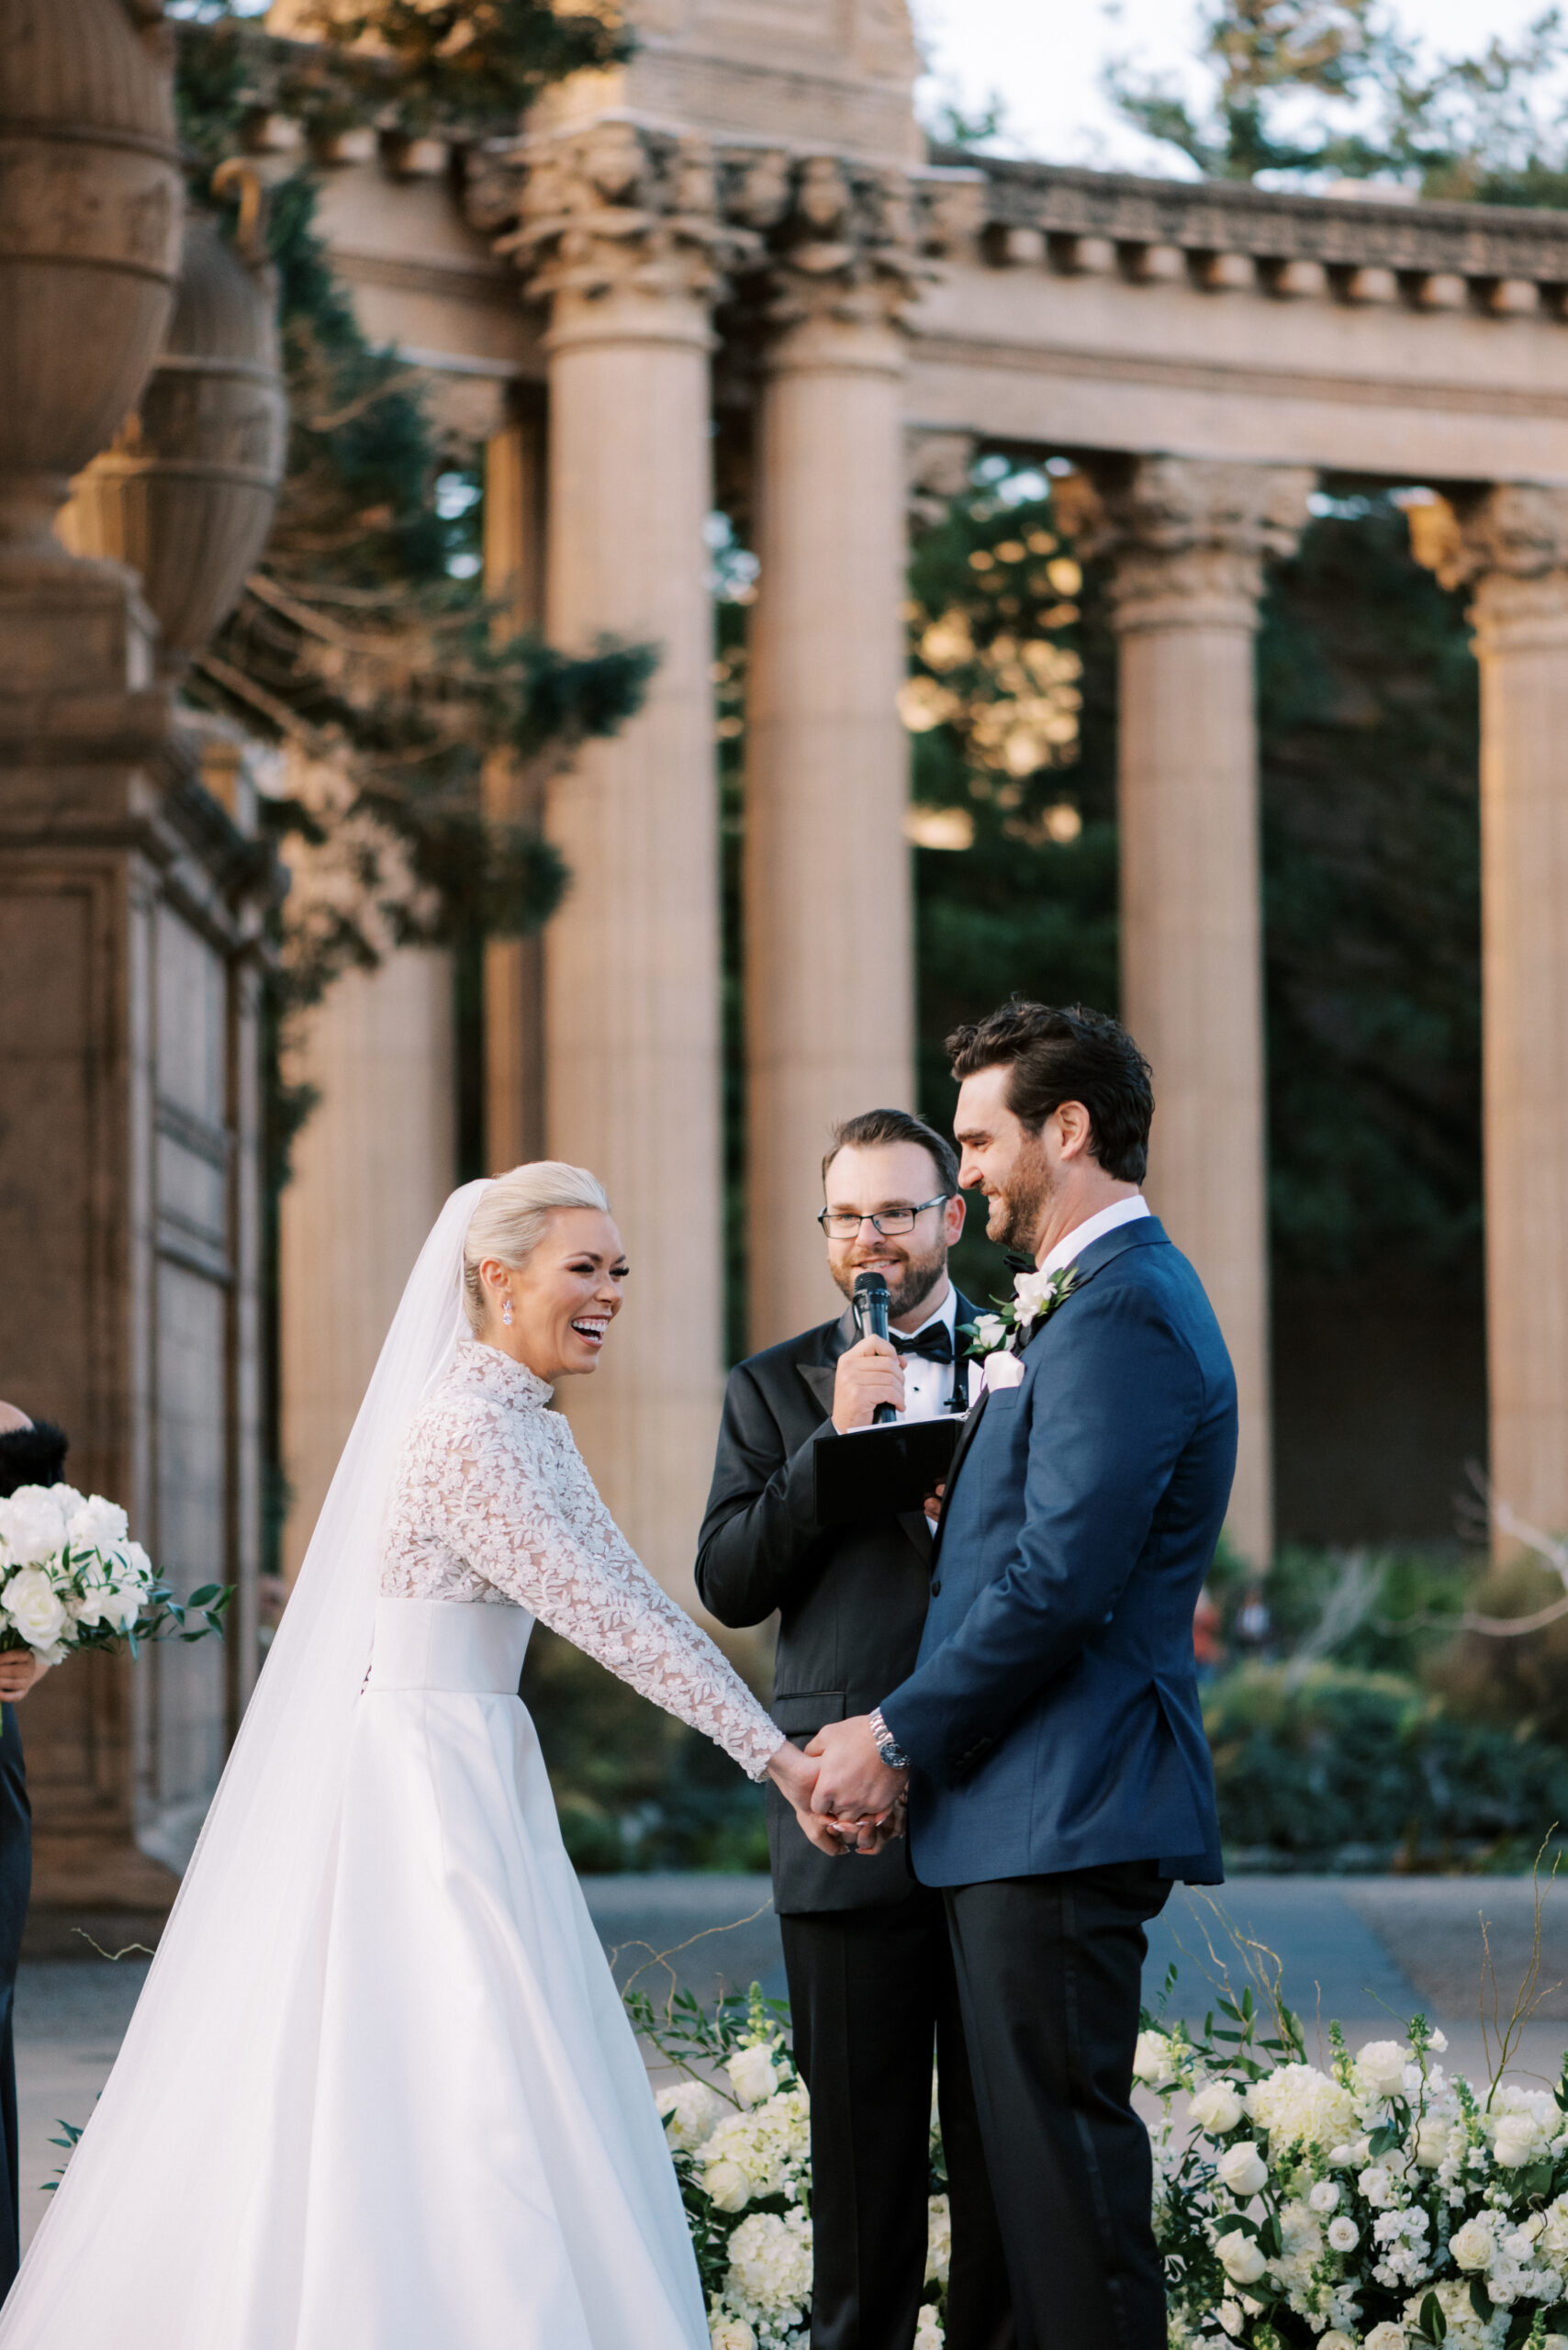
[{"x": 1205, "y": 357}]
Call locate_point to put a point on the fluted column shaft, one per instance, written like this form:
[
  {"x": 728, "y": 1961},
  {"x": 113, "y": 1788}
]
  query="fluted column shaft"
[
  {"x": 829, "y": 982},
  {"x": 1514, "y": 544},
  {"x": 1192, "y": 539},
  {"x": 514, "y": 967}
]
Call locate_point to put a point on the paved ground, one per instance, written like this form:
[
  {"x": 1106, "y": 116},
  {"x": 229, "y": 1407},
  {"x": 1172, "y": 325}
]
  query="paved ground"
[{"x": 1366, "y": 1949}]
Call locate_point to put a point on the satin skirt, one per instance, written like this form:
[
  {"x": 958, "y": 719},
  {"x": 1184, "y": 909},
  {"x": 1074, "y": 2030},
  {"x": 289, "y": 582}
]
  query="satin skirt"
[{"x": 485, "y": 2161}]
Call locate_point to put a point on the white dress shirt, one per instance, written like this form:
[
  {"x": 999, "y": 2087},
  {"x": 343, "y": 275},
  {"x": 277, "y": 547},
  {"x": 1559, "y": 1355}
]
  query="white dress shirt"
[
  {"x": 927, "y": 1385},
  {"x": 1094, "y": 1227}
]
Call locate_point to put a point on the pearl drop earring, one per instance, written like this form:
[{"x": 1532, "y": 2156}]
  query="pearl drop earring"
[{"x": 506, "y": 1312}]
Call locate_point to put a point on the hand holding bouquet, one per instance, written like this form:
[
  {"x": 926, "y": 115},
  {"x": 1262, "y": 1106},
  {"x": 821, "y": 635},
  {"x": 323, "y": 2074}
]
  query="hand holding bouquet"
[{"x": 71, "y": 1578}]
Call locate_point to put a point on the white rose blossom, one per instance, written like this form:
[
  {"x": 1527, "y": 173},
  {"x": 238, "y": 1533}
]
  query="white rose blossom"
[
  {"x": 730, "y": 2333},
  {"x": 1471, "y": 2246},
  {"x": 1230, "y": 2317},
  {"x": 1325, "y": 2195},
  {"x": 990, "y": 1330},
  {"x": 1343, "y": 2234},
  {"x": 928, "y": 2333},
  {"x": 1154, "y": 2060},
  {"x": 1240, "y": 2257},
  {"x": 693, "y": 2111},
  {"x": 34, "y": 1606},
  {"x": 1217, "y": 2108},
  {"x": 938, "y": 2240},
  {"x": 97, "y": 1524},
  {"x": 1333, "y": 2340},
  {"x": 1382, "y": 2066},
  {"x": 1242, "y": 2169},
  {"x": 33, "y": 1522},
  {"x": 1385, "y": 2337},
  {"x": 752, "y": 2074}
]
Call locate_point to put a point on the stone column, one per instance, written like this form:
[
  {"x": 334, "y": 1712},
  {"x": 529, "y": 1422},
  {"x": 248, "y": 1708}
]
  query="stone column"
[
  {"x": 619, "y": 232},
  {"x": 371, "y": 1168},
  {"x": 514, "y": 967},
  {"x": 830, "y": 988},
  {"x": 1514, "y": 544},
  {"x": 1192, "y": 539}
]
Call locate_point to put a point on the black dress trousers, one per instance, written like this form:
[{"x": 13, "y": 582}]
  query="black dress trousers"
[
  {"x": 874, "y": 1999},
  {"x": 1049, "y": 1969},
  {"x": 15, "y": 1883}
]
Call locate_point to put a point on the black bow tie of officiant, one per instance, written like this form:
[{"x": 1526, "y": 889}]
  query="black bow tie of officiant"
[{"x": 935, "y": 1342}]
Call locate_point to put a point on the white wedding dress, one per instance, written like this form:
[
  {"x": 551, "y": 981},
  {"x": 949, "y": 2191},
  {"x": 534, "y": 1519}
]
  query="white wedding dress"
[{"x": 433, "y": 2131}]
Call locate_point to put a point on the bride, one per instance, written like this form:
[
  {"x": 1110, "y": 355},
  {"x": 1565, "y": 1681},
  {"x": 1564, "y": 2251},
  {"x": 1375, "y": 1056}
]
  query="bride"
[{"x": 379, "y": 2092}]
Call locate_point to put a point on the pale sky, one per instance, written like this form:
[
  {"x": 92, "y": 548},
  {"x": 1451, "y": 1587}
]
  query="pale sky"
[{"x": 1044, "y": 58}]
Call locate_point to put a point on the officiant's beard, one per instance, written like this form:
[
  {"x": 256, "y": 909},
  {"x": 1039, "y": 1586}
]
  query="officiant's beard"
[{"x": 907, "y": 1288}]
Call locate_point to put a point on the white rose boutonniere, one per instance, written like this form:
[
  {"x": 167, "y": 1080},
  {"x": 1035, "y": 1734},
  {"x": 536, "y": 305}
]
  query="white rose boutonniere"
[{"x": 996, "y": 1341}]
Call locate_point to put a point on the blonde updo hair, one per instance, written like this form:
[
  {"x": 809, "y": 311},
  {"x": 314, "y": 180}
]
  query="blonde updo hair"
[{"x": 509, "y": 1220}]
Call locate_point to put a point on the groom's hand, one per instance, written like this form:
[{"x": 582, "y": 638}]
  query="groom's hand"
[{"x": 852, "y": 1780}]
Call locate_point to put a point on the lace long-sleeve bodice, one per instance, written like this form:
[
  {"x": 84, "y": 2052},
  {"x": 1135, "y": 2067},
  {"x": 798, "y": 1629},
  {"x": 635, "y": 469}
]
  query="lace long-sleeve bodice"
[{"x": 494, "y": 1503}]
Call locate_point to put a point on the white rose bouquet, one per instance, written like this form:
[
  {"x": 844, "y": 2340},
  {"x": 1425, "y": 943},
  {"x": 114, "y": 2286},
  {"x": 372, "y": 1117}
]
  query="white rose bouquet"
[
  {"x": 72, "y": 1578},
  {"x": 738, "y": 2123},
  {"x": 1377, "y": 2205}
]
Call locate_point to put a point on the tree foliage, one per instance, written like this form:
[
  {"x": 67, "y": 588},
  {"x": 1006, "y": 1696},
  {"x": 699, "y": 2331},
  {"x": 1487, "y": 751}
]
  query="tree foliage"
[
  {"x": 362, "y": 642},
  {"x": 1337, "y": 89}
]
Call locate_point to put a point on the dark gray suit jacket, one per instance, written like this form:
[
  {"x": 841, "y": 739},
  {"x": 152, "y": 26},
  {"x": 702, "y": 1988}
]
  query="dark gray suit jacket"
[{"x": 851, "y": 1600}]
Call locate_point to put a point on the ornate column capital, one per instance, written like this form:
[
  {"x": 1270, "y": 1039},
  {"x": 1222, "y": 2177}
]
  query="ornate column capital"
[
  {"x": 835, "y": 239},
  {"x": 1511, "y": 543},
  {"x": 1191, "y": 535},
  {"x": 615, "y": 205}
]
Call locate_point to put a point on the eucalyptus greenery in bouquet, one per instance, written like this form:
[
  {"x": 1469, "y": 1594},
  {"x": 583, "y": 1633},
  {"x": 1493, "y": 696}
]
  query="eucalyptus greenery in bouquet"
[
  {"x": 1372, "y": 2203},
  {"x": 72, "y": 1578},
  {"x": 738, "y": 2122}
]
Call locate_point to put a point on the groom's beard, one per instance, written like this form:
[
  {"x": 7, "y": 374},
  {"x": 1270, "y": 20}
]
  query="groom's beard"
[
  {"x": 907, "y": 1287},
  {"x": 1017, "y": 1215}
]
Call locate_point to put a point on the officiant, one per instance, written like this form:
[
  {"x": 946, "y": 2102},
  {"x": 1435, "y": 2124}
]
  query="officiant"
[{"x": 865, "y": 1947}]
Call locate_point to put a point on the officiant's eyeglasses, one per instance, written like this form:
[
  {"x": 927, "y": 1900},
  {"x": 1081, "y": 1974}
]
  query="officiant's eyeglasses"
[{"x": 843, "y": 1224}]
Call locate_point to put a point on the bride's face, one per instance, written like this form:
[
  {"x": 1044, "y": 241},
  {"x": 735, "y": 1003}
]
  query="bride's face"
[{"x": 564, "y": 1300}]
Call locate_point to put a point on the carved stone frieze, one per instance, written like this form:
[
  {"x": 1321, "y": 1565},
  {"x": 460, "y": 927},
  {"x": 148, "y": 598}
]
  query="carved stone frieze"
[
  {"x": 1190, "y": 537},
  {"x": 611, "y": 203},
  {"x": 1477, "y": 242}
]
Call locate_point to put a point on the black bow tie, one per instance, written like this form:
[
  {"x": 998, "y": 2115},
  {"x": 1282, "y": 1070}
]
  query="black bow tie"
[{"x": 935, "y": 1342}]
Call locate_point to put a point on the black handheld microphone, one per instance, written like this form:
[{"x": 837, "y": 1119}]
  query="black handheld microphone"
[{"x": 871, "y": 1301}]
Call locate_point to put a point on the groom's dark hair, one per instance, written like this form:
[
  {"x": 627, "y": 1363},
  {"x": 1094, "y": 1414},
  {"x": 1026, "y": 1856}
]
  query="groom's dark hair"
[{"x": 1070, "y": 1055}]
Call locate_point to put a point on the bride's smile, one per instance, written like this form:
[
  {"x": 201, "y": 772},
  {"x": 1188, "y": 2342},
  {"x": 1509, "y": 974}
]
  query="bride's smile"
[{"x": 552, "y": 1312}]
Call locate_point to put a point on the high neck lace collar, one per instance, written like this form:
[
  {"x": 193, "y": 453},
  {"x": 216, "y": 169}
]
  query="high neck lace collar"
[{"x": 493, "y": 1374}]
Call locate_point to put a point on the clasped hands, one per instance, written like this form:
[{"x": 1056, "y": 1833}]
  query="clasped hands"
[{"x": 844, "y": 1797}]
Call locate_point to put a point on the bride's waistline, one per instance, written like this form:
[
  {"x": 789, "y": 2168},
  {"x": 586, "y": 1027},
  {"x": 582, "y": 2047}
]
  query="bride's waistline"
[{"x": 465, "y": 1646}]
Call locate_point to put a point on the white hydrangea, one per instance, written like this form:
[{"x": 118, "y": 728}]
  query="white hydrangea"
[
  {"x": 938, "y": 2240},
  {"x": 691, "y": 2112},
  {"x": 770, "y": 2265},
  {"x": 1299, "y": 2106},
  {"x": 768, "y": 2147},
  {"x": 729, "y": 2332}
]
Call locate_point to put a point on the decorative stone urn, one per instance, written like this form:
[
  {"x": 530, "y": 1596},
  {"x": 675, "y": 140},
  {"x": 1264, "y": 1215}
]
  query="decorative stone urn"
[
  {"x": 90, "y": 212},
  {"x": 185, "y": 493}
]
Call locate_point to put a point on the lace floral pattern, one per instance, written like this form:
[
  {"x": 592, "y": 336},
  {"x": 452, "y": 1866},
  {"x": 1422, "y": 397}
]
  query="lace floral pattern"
[{"x": 494, "y": 1503}]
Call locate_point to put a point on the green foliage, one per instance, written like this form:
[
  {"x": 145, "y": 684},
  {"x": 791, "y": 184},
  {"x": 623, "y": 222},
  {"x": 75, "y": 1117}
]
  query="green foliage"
[
  {"x": 1012, "y": 702},
  {"x": 635, "y": 1788},
  {"x": 1486, "y": 128},
  {"x": 462, "y": 68},
  {"x": 1309, "y": 1762},
  {"x": 1369, "y": 741}
]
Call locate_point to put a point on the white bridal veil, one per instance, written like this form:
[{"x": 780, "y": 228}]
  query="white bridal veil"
[{"x": 185, "y": 2200}]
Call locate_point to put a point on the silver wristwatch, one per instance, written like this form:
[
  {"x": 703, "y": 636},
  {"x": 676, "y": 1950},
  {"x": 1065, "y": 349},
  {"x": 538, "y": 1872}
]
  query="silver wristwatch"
[{"x": 888, "y": 1747}]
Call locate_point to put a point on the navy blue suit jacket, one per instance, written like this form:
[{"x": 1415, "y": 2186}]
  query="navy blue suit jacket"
[{"x": 1052, "y": 1716}]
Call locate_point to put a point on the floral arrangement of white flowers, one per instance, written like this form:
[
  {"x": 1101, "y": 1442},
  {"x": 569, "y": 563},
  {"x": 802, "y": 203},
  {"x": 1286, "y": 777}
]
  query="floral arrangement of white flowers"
[
  {"x": 738, "y": 2123},
  {"x": 1374, "y": 2205},
  {"x": 72, "y": 1578},
  {"x": 998, "y": 1339}
]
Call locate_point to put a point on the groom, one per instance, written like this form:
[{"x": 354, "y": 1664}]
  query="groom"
[{"x": 1050, "y": 1735}]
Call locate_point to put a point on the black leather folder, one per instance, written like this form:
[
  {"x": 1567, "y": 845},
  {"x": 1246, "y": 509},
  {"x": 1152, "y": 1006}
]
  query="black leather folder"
[{"x": 879, "y": 1473}]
